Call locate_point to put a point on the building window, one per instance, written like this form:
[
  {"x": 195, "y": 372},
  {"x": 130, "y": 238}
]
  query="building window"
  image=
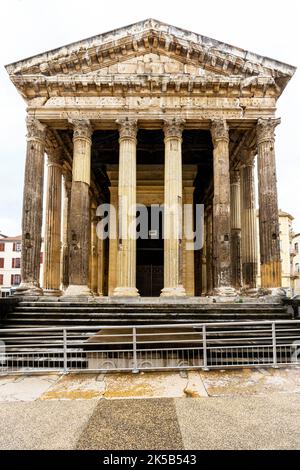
[
  {"x": 15, "y": 279},
  {"x": 1, "y": 262},
  {"x": 16, "y": 262},
  {"x": 297, "y": 247},
  {"x": 1, "y": 279},
  {"x": 17, "y": 246},
  {"x": 297, "y": 267},
  {"x": 2, "y": 246}
]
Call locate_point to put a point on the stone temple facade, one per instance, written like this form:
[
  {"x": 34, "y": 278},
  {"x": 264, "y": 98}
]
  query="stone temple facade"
[{"x": 150, "y": 114}]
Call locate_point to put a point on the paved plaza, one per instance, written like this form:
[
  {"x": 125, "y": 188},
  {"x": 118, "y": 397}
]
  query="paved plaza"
[{"x": 242, "y": 409}]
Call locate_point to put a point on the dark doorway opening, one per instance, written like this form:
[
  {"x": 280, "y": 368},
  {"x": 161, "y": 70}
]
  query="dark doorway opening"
[{"x": 150, "y": 257}]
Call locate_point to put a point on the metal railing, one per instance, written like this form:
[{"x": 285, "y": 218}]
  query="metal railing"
[{"x": 150, "y": 347}]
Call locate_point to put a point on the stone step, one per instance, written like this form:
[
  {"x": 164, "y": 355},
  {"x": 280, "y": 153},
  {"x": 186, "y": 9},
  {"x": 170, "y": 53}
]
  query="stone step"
[
  {"x": 132, "y": 317},
  {"x": 144, "y": 307},
  {"x": 153, "y": 314}
]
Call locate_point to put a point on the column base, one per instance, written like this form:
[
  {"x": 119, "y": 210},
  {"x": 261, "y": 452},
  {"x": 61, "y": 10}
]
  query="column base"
[
  {"x": 250, "y": 292},
  {"x": 225, "y": 291},
  {"x": 52, "y": 292},
  {"x": 272, "y": 291},
  {"x": 178, "y": 291},
  {"x": 77, "y": 291},
  {"x": 29, "y": 289},
  {"x": 126, "y": 292}
]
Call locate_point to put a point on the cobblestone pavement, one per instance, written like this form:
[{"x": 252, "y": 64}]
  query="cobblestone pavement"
[{"x": 239, "y": 409}]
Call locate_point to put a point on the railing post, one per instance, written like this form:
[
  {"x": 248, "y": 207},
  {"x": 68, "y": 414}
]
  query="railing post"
[
  {"x": 204, "y": 344},
  {"x": 275, "y": 365},
  {"x": 135, "y": 369},
  {"x": 65, "y": 346}
]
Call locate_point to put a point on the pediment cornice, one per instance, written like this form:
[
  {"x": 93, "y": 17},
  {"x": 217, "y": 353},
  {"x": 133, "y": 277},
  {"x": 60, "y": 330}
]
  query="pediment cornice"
[
  {"x": 32, "y": 86},
  {"x": 86, "y": 57}
]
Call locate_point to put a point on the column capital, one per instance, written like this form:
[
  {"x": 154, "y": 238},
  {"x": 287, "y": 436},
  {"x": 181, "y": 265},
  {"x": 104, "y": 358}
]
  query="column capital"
[
  {"x": 67, "y": 180},
  {"x": 82, "y": 128},
  {"x": 265, "y": 129},
  {"x": 173, "y": 128},
  {"x": 127, "y": 128},
  {"x": 219, "y": 131},
  {"x": 35, "y": 129},
  {"x": 247, "y": 156},
  {"x": 55, "y": 156},
  {"x": 234, "y": 176}
]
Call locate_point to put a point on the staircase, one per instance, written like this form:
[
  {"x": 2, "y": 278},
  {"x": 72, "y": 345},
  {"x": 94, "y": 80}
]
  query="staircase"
[
  {"x": 45, "y": 313},
  {"x": 65, "y": 314}
]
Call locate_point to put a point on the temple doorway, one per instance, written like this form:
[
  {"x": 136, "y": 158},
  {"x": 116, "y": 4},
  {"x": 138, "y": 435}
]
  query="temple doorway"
[{"x": 150, "y": 259}]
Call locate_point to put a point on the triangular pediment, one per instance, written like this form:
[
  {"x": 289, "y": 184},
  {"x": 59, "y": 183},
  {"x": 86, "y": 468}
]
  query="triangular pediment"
[
  {"x": 149, "y": 47},
  {"x": 150, "y": 64}
]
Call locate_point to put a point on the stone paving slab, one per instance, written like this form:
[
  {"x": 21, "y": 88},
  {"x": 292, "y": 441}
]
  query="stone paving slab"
[
  {"x": 251, "y": 381},
  {"x": 237, "y": 382},
  {"x": 248, "y": 423},
  {"x": 76, "y": 387},
  {"x": 25, "y": 387},
  {"x": 126, "y": 386},
  {"x": 132, "y": 425},
  {"x": 154, "y": 385},
  {"x": 42, "y": 425}
]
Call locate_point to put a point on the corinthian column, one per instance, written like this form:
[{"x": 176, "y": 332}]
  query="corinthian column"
[
  {"x": 268, "y": 205},
  {"x": 221, "y": 210},
  {"x": 32, "y": 208},
  {"x": 94, "y": 250},
  {"x": 66, "y": 227},
  {"x": 248, "y": 215},
  {"x": 208, "y": 250},
  {"x": 80, "y": 210},
  {"x": 235, "y": 215},
  {"x": 52, "y": 261},
  {"x": 126, "y": 263},
  {"x": 173, "y": 209}
]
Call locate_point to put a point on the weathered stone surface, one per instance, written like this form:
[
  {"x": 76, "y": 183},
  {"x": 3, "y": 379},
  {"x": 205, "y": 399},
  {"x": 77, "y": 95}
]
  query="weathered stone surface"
[
  {"x": 235, "y": 213},
  {"x": 126, "y": 264},
  {"x": 79, "y": 234},
  {"x": 66, "y": 227},
  {"x": 173, "y": 210},
  {"x": 221, "y": 210},
  {"x": 248, "y": 216},
  {"x": 32, "y": 208},
  {"x": 268, "y": 205},
  {"x": 52, "y": 258}
]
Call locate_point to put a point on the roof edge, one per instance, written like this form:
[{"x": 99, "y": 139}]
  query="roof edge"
[{"x": 152, "y": 24}]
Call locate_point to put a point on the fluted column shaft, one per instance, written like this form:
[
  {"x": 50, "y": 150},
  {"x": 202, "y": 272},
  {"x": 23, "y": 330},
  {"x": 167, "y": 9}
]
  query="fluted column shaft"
[
  {"x": 113, "y": 242},
  {"x": 66, "y": 228},
  {"x": 80, "y": 210},
  {"x": 189, "y": 255},
  {"x": 173, "y": 209},
  {"x": 249, "y": 230},
  {"x": 126, "y": 264},
  {"x": 235, "y": 216},
  {"x": 52, "y": 259},
  {"x": 221, "y": 209},
  {"x": 32, "y": 208},
  {"x": 268, "y": 205},
  {"x": 209, "y": 251},
  {"x": 94, "y": 251}
]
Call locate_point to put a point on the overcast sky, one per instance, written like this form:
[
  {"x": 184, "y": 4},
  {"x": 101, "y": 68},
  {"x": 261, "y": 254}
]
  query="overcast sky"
[{"x": 28, "y": 27}]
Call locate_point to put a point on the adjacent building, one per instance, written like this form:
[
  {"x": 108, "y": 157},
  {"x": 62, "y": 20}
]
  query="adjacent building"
[
  {"x": 286, "y": 252},
  {"x": 296, "y": 264},
  {"x": 10, "y": 264}
]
